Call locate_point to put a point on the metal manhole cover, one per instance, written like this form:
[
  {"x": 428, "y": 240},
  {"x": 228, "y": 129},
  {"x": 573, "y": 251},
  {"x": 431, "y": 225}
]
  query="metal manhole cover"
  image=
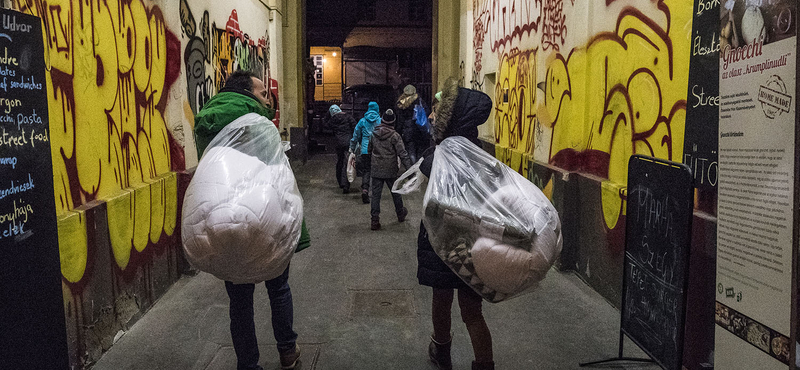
[{"x": 381, "y": 303}]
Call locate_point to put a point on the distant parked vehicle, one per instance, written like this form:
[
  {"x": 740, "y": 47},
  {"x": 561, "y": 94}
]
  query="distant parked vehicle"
[{"x": 355, "y": 98}]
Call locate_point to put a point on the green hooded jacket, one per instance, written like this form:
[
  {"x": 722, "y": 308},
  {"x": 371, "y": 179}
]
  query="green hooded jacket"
[{"x": 223, "y": 109}]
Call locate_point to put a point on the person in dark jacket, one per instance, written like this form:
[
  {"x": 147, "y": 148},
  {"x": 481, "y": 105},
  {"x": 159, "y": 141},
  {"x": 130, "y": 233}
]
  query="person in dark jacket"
[
  {"x": 245, "y": 93},
  {"x": 385, "y": 147},
  {"x": 415, "y": 138},
  {"x": 459, "y": 113},
  {"x": 343, "y": 125}
]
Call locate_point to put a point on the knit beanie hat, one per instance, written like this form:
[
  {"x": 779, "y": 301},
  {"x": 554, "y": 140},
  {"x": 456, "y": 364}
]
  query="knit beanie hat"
[
  {"x": 334, "y": 109},
  {"x": 388, "y": 117},
  {"x": 409, "y": 90}
]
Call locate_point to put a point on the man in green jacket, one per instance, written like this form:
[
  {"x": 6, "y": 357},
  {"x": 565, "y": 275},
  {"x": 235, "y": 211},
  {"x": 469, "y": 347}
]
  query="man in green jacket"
[{"x": 245, "y": 93}]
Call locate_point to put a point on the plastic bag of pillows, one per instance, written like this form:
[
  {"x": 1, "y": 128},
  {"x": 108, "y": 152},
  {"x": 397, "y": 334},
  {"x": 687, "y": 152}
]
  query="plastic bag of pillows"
[
  {"x": 495, "y": 229},
  {"x": 242, "y": 212}
]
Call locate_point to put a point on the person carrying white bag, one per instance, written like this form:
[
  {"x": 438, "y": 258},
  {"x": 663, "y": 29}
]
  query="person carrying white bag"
[
  {"x": 485, "y": 234},
  {"x": 242, "y": 216}
]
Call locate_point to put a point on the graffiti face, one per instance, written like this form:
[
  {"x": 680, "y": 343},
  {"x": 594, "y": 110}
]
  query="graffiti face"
[
  {"x": 194, "y": 57},
  {"x": 220, "y": 51},
  {"x": 515, "y": 94}
]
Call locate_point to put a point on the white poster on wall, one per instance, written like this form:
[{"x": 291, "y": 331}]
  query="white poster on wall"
[{"x": 756, "y": 184}]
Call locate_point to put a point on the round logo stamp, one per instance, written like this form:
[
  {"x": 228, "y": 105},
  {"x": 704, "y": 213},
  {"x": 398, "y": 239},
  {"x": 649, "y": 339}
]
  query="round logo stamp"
[{"x": 774, "y": 98}]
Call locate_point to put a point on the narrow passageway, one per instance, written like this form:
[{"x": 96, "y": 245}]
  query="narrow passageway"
[{"x": 358, "y": 305}]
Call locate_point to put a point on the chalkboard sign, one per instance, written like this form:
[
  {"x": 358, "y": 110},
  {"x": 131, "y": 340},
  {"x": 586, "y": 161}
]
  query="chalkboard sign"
[
  {"x": 657, "y": 244},
  {"x": 32, "y": 325},
  {"x": 703, "y": 100}
]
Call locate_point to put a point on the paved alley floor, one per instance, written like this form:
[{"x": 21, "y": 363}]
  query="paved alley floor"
[{"x": 357, "y": 304}]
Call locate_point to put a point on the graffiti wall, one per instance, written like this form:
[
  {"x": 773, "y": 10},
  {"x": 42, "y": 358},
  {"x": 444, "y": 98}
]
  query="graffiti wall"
[
  {"x": 111, "y": 65},
  {"x": 214, "y": 48},
  {"x": 125, "y": 78},
  {"x": 578, "y": 87},
  {"x": 582, "y": 93}
]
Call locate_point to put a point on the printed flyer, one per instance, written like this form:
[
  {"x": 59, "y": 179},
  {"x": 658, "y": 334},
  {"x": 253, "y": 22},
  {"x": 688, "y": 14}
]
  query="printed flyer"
[{"x": 756, "y": 183}]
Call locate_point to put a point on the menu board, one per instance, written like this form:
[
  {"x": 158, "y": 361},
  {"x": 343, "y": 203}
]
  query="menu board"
[
  {"x": 655, "y": 274},
  {"x": 702, "y": 103},
  {"x": 32, "y": 324},
  {"x": 756, "y": 184}
]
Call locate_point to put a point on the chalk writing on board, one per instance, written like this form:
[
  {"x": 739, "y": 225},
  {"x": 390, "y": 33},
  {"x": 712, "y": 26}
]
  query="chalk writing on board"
[
  {"x": 24, "y": 83},
  {"x": 30, "y": 119},
  {"x": 9, "y": 161},
  {"x": 14, "y": 229},
  {"x": 7, "y": 72},
  {"x": 23, "y": 139},
  {"x": 19, "y": 211},
  {"x": 17, "y": 187},
  {"x": 10, "y": 24},
  {"x": 655, "y": 213},
  {"x": 706, "y": 5},
  {"x": 7, "y": 104},
  {"x": 705, "y": 47},
  {"x": 8, "y": 60}
]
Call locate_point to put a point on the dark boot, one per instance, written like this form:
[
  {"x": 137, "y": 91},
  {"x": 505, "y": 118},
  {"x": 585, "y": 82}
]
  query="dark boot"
[
  {"x": 365, "y": 196},
  {"x": 482, "y": 365},
  {"x": 376, "y": 223},
  {"x": 401, "y": 216},
  {"x": 439, "y": 354}
]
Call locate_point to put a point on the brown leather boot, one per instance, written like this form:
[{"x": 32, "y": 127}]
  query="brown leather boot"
[
  {"x": 439, "y": 354},
  {"x": 482, "y": 365},
  {"x": 291, "y": 359}
]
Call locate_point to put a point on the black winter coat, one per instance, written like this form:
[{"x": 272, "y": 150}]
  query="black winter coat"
[
  {"x": 431, "y": 271},
  {"x": 406, "y": 121},
  {"x": 343, "y": 125},
  {"x": 464, "y": 110}
]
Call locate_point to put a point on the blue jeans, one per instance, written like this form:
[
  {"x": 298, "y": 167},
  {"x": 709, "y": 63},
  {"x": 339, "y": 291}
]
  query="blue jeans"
[{"x": 243, "y": 328}]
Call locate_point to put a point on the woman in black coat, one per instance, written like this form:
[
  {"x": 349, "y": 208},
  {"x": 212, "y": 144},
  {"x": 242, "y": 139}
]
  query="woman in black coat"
[{"x": 459, "y": 113}]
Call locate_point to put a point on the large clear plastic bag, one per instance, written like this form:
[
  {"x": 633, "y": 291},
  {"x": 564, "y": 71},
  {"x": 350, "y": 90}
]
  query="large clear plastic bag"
[
  {"x": 495, "y": 229},
  {"x": 242, "y": 212}
]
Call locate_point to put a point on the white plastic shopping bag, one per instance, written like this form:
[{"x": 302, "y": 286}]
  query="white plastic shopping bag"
[
  {"x": 351, "y": 167},
  {"x": 410, "y": 181}
]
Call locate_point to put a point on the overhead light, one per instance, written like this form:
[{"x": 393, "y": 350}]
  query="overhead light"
[{"x": 334, "y": 53}]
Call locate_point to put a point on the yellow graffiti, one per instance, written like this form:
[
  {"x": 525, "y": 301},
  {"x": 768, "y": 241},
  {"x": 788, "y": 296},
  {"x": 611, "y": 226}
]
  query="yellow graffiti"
[
  {"x": 72, "y": 245},
  {"x": 107, "y": 64},
  {"x": 514, "y": 159},
  {"x": 622, "y": 94},
  {"x": 515, "y": 94}
]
